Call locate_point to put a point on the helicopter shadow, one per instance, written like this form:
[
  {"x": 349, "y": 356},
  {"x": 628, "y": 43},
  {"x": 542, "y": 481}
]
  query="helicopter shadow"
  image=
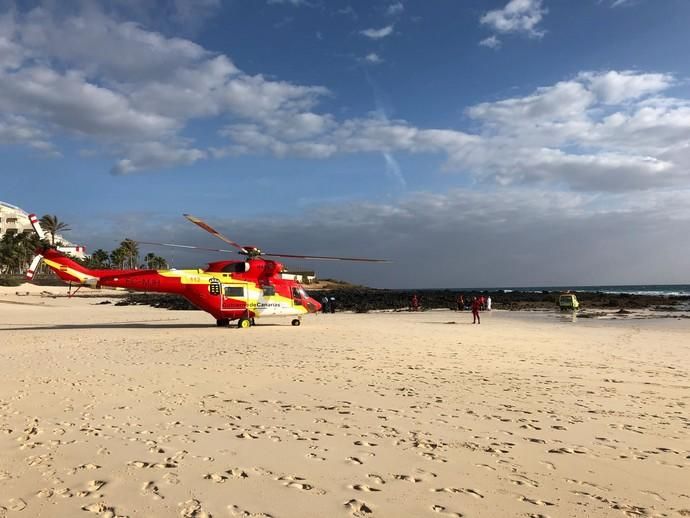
[
  {"x": 126, "y": 325},
  {"x": 451, "y": 323}
]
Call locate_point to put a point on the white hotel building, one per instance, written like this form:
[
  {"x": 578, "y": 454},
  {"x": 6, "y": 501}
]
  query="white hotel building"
[{"x": 14, "y": 220}]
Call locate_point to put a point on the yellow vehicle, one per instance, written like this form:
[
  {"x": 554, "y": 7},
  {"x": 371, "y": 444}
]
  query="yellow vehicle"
[{"x": 568, "y": 301}]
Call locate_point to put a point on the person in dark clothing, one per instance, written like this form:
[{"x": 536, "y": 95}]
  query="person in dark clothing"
[
  {"x": 332, "y": 304},
  {"x": 460, "y": 301},
  {"x": 476, "y": 305}
]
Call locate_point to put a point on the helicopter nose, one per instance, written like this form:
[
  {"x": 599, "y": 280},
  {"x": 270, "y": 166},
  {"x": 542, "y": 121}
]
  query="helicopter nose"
[{"x": 313, "y": 306}]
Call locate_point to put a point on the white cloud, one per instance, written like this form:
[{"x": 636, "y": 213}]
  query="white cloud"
[
  {"x": 521, "y": 16},
  {"x": 377, "y": 34},
  {"x": 395, "y": 9},
  {"x": 608, "y": 130},
  {"x": 373, "y": 58},
  {"x": 18, "y": 130},
  {"x": 616, "y": 87},
  {"x": 295, "y": 3},
  {"x": 560, "y": 102},
  {"x": 155, "y": 155},
  {"x": 492, "y": 42},
  {"x": 90, "y": 76},
  {"x": 348, "y": 11},
  {"x": 69, "y": 101},
  {"x": 100, "y": 46},
  {"x": 564, "y": 134}
]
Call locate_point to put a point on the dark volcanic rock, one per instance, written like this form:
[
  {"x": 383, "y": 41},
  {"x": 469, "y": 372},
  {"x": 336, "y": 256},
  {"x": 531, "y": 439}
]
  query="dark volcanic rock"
[{"x": 361, "y": 300}]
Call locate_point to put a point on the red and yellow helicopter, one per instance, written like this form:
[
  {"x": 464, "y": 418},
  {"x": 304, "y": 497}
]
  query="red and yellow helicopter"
[{"x": 229, "y": 290}]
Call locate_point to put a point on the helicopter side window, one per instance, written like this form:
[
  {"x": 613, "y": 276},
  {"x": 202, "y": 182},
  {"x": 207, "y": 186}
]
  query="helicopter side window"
[
  {"x": 234, "y": 291},
  {"x": 269, "y": 291},
  {"x": 296, "y": 296}
]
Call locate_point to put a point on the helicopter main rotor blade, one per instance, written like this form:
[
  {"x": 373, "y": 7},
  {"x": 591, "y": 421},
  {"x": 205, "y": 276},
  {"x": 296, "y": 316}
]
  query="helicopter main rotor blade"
[
  {"x": 191, "y": 247},
  {"x": 329, "y": 258},
  {"x": 208, "y": 228}
]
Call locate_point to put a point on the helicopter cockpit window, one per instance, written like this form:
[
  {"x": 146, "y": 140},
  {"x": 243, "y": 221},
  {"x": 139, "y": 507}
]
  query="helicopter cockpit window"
[
  {"x": 269, "y": 291},
  {"x": 296, "y": 296},
  {"x": 234, "y": 291},
  {"x": 238, "y": 267}
]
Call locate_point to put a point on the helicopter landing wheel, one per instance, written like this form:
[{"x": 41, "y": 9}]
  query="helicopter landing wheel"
[
  {"x": 223, "y": 322},
  {"x": 296, "y": 322},
  {"x": 244, "y": 323}
]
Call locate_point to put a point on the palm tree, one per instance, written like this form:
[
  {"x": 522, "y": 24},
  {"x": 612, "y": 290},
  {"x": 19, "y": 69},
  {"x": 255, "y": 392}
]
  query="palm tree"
[
  {"x": 16, "y": 251},
  {"x": 52, "y": 226},
  {"x": 118, "y": 257},
  {"x": 131, "y": 252},
  {"x": 99, "y": 259}
]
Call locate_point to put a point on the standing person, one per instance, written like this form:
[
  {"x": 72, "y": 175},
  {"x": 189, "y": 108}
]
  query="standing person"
[
  {"x": 460, "y": 301},
  {"x": 324, "y": 304},
  {"x": 414, "y": 303},
  {"x": 332, "y": 301},
  {"x": 488, "y": 303},
  {"x": 476, "y": 305}
]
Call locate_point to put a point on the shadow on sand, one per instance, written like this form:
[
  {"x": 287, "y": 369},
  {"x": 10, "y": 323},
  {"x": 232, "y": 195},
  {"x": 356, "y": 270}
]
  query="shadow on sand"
[{"x": 146, "y": 324}]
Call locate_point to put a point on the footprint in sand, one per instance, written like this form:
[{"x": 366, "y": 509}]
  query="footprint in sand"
[
  {"x": 99, "y": 508},
  {"x": 354, "y": 460},
  {"x": 296, "y": 482},
  {"x": 365, "y": 443},
  {"x": 535, "y": 501},
  {"x": 237, "y": 473},
  {"x": 358, "y": 508},
  {"x": 64, "y": 492},
  {"x": 376, "y": 478},
  {"x": 193, "y": 509},
  {"x": 171, "y": 478},
  {"x": 138, "y": 464},
  {"x": 441, "y": 509},
  {"x": 521, "y": 480},
  {"x": 150, "y": 488},
  {"x": 82, "y": 467},
  {"x": 16, "y": 504},
  {"x": 242, "y": 513},
  {"x": 407, "y": 478},
  {"x": 363, "y": 487},
  {"x": 465, "y": 491},
  {"x": 216, "y": 477}
]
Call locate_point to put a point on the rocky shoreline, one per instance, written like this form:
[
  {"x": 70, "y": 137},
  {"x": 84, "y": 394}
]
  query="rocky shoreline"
[{"x": 362, "y": 300}]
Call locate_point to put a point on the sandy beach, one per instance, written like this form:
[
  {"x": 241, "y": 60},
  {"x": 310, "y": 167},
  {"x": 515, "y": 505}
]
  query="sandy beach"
[{"x": 137, "y": 411}]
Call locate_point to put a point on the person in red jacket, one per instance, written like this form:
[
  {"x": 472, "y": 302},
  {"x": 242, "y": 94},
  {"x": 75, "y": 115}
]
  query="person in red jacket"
[
  {"x": 414, "y": 303},
  {"x": 476, "y": 305}
]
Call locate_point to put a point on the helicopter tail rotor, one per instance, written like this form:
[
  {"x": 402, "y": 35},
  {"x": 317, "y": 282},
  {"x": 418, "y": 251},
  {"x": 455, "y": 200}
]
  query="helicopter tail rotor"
[
  {"x": 36, "y": 224},
  {"x": 34, "y": 266},
  {"x": 36, "y": 261}
]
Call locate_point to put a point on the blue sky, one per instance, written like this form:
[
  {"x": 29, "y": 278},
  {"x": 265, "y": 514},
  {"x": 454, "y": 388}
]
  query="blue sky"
[{"x": 475, "y": 143}]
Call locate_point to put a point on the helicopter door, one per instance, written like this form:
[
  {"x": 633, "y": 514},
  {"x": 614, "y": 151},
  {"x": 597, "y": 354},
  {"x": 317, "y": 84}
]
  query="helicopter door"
[
  {"x": 234, "y": 297},
  {"x": 296, "y": 297}
]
